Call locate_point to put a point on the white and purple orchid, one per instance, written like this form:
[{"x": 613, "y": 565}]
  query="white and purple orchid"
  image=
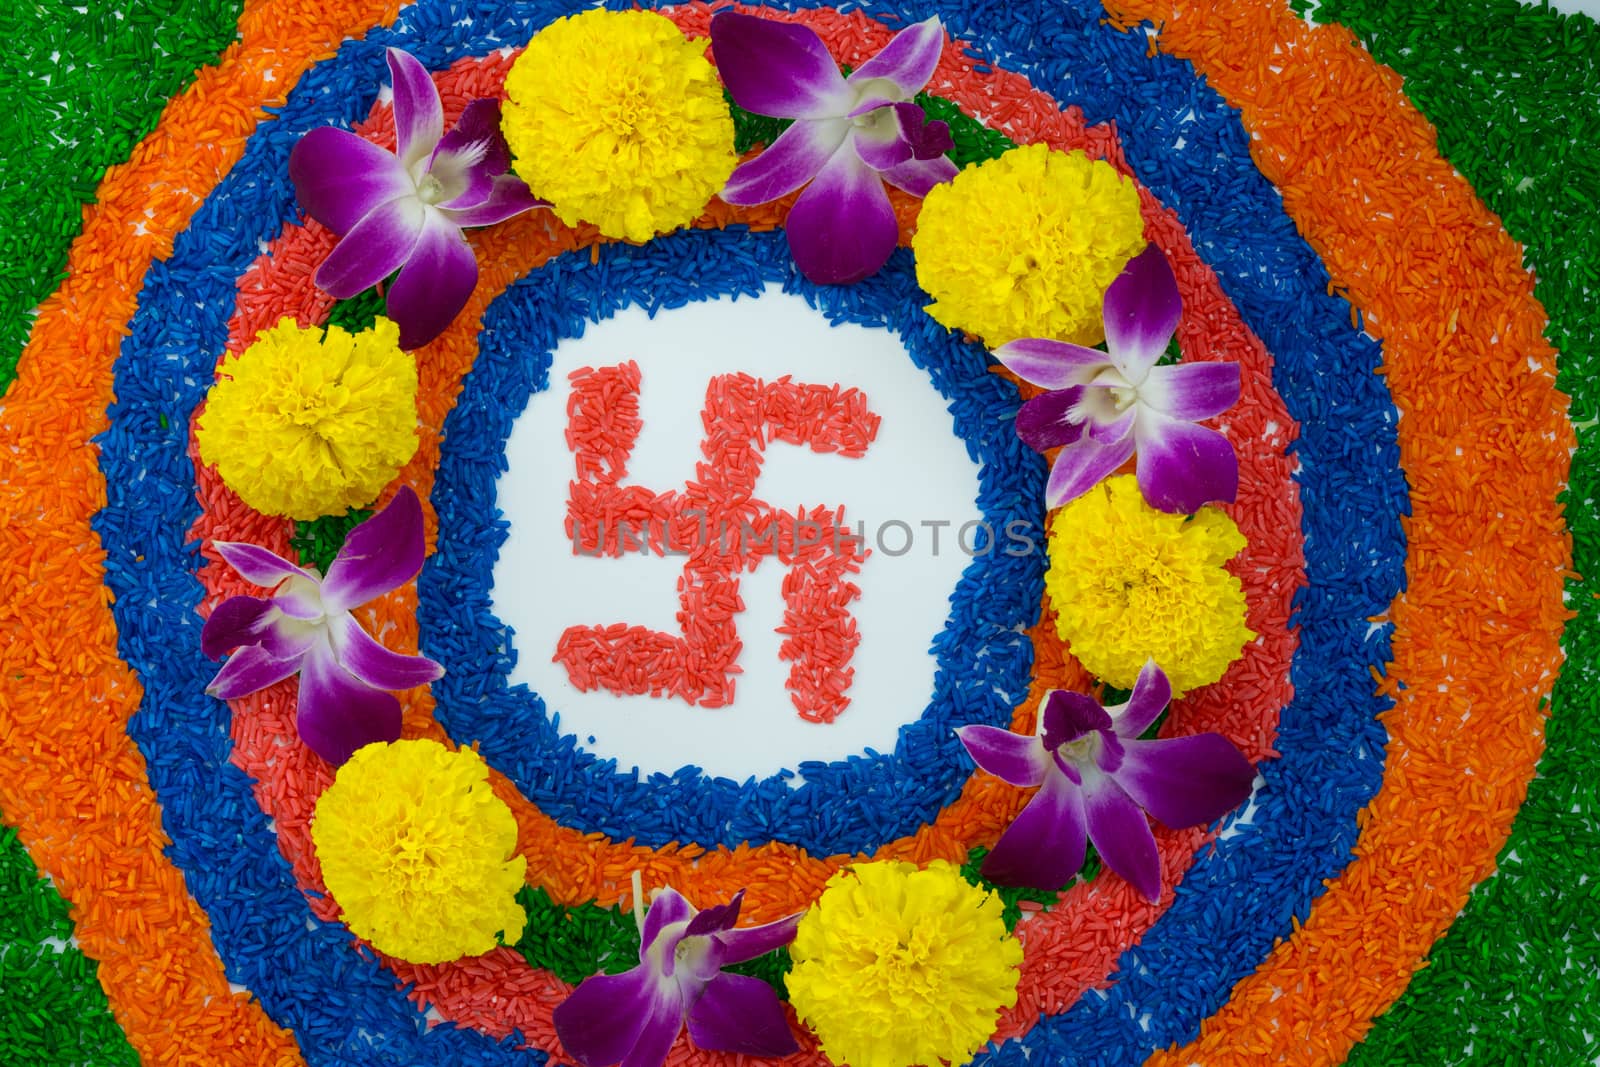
[
  {"x": 1097, "y": 780},
  {"x": 406, "y": 211},
  {"x": 633, "y": 1018},
  {"x": 1106, "y": 406},
  {"x": 850, "y": 136},
  {"x": 305, "y": 627}
]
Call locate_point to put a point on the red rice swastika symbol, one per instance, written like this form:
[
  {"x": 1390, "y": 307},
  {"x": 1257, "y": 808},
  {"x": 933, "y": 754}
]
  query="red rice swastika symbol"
[{"x": 722, "y": 530}]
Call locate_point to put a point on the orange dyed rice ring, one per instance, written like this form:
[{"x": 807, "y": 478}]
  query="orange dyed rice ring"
[{"x": 1402, "y": 921}]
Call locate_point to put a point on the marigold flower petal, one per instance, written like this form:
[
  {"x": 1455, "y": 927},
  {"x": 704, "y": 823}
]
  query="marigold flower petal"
[
  {"x": 419, "y": 852},
  {"x": 306, "y": 424},
  {"x": 1026, "y": 245},
  {"x": 896, "y": 965},
  {"x": 1131, "y": 584},
  {"x": 617, "y": 119}
]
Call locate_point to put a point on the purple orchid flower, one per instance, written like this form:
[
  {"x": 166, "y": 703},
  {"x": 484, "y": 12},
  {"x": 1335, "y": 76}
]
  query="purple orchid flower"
[
  {"x": 305, "y": 627},
  {"x": 1107, "y": 406},
  {"x": 405, "y": 212},
  {"x": 1098, "y": 779},
  {"x": 851, "y": 135},
  {"x": 634, "y": 1018}
]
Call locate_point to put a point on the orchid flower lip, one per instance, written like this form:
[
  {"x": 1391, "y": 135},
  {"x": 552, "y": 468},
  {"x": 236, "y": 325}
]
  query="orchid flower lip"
[{"x": 1066, "y": 767}]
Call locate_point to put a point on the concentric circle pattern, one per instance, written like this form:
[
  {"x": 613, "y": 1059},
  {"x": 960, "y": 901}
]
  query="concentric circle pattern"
[
  {"x": 982, "y": 665},
  {"x": 1393, "y": 750}
]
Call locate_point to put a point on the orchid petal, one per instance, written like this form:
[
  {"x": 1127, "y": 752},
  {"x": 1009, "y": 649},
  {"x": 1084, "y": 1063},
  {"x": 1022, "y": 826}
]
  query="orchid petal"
[
  {"x": 360, "y": 654},
  {"x": 1183, "y": 466},
  {"x": 787, "y": 163},
  {"x": 375, "y": 248},
  {"x": 258, "y": 565},
  {"x": 881, "y": 146},
  {"x": 1051, "y": 364},
  {"x": 249, "y": 670},
  {"x": 1152, "y": 692},
  {"x": 1186, "y": 781},
  {"x": 666, "y": 908},
  {"x": 919, "y": 176},
  {"x": 777, "y": 68},
  {"x": 382, "y": 553},
  {"x": 418, "y": 114},
  {"x": 842, "y": 228},
  {"x": 660, "y": 1030},
  {"x": 737, "y": 1013},
  {"x": 1042, "y": 422},
  {"x": 716, "y": 918},
  {"x": 1114, "y": 430},
  {"x": 751, "y": 941},
  {"x": 908, "y": 61},
  {"x": 1121, "y": 835},
  {"x": 475, "y": 143},
  {"x": 1191, "y": 391},
  {"x": 238, "y": 620},
  {"x": 1081, "y": 466},
  {"x": 434, "y": 286},
  {"x": 1141, "y": 312},
  {"x": 1067, "y": 715},
  {"x": 1008, "y": 756},
  {"x": 509, "y": 196},
  {"x": 339, "y": 714},
  {"x": 340, "y": 178},
  {"x": 1045, "y": 845},
  {"x": 602, "y": 1020}
]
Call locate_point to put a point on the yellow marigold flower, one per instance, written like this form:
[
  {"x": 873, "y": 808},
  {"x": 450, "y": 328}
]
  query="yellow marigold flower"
[
  {"x": 617, "y": 119},
  {"x": 304, "y": 425},
  {"x": 419, "y": 852},
  {"x": 1026, "y": 245},
  {"x": 896, "y": 965},
  {"x": 1130, "y": 583}
]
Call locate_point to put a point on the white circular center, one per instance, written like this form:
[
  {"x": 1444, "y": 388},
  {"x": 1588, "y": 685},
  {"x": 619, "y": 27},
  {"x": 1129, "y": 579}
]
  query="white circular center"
[{"x": 911, "y": 497}]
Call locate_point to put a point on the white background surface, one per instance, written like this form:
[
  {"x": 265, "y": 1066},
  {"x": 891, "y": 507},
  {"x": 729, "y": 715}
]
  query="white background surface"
[{"x": 915, "y": 470}]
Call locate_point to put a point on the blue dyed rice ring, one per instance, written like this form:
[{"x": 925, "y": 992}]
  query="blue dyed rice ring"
[{"x": 342, "y": 1005}]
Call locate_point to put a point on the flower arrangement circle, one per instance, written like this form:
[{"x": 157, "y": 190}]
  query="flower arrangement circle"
[
  {"x": 419, "y": 853},
  {"x": 1130, "y": 584},
  {"x": 404, "y": 211},
  {"x": 1097, "y": 778},
  {"x": 850, "y": 136},
  {"x": 619, "y": 120},
  {"x": 306, "y": 628},
  {"x": 633, "y": 1018},
  {"x": 307, "y": 422},
  {"x": 896, "y": 964},
  {"x": 1103, "y": 407},
  {"x": 1025, "y": 245}
]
